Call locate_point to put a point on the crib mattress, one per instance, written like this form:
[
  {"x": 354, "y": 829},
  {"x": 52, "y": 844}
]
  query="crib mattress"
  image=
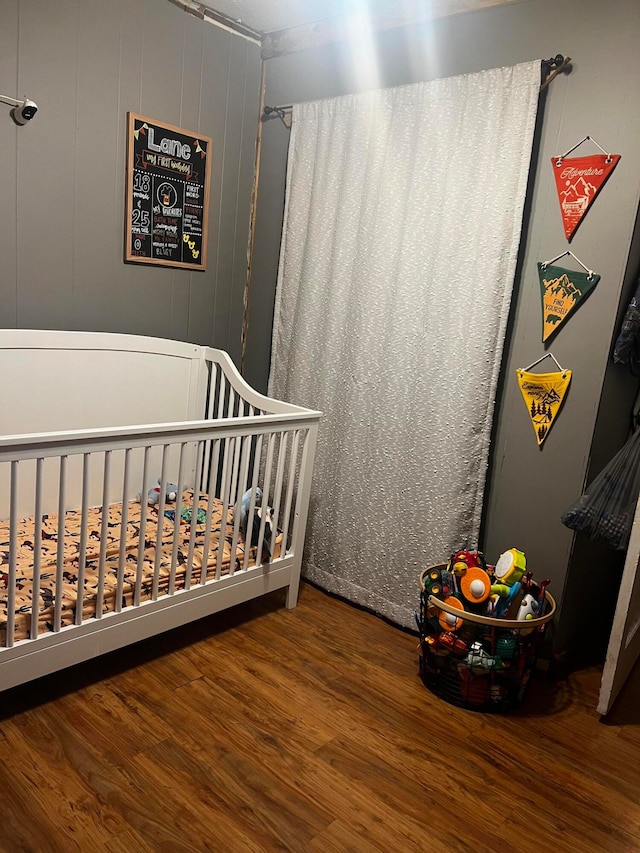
[{"x": 155, "y": 550}]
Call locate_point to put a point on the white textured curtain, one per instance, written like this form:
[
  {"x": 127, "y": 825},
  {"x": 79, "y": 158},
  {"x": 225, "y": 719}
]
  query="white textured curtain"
[{"x": 402, "y": 224}]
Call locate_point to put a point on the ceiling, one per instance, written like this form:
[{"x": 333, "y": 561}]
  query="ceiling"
[{"x": 266, "y": 16}]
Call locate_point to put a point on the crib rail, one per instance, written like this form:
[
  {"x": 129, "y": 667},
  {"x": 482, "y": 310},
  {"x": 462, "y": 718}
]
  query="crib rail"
[
  {"x": 228, "y": 395},
  {"x": 83, "y": 474},
  {"x": 85, "y": 565},
  {"x": 32, "y": 445}
]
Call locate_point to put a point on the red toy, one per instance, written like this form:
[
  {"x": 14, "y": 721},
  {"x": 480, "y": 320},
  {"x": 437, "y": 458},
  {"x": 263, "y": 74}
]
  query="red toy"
[{"x": 463, "y": 560}]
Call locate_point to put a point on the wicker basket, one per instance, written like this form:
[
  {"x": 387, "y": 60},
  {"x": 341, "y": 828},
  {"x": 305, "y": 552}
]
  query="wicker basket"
[{"x": 485, "y": 665}]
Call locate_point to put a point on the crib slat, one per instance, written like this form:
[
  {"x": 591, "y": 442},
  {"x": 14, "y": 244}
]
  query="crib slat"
[
  {"x": 266, "y": 488},
  {"x": 227, "y": 453},
  {"x": 231, "y": 413},
  {"x": 104, "y": 531},
  {"x": 211, "y": 464},
  {"x": 124, "y": 522},
  {"x": 13, "y": 556},
  {"x": 62, "y": 485},
  {"x": 142, "y": 538},
  {"x": 277, "y": 496},
  {"x": 303, "y": 493},
  {"x": 233, "y": 494},
  {"x": 207, "y": 530},
  {"x": 209, "y": 414},
  {"x": 161, "y": 504},
  {"x": 230, "y": 399},
  {"x": 293, "y": 461},
  {"x": 213, "y": 468},
  {"x": 245, "y": 441},
  {"x": 176, "y": 522},
  {"x": 194, "y": 519},
  {"x": 226, "y": 473},
  {"x": 231, "y": 404},
  {"x": 254, "y": 484},
  {"x": 84, "y": 523},
  {"x": 222, "y": 391},
  {"x": 37, "y": 551}
]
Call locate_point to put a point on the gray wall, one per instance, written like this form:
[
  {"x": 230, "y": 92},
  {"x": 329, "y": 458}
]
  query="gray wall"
[
  {"x": 529, "y": 488},
  {"x": 86, "y": 63}
]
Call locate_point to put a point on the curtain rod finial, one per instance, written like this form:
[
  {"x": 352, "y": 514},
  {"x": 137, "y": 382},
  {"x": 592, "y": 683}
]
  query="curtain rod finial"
[{"x": 552, "y": 67}]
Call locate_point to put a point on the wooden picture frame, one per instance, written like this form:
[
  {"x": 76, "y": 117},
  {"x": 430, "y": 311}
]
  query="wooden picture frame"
[{"x": 167, "y": 194}]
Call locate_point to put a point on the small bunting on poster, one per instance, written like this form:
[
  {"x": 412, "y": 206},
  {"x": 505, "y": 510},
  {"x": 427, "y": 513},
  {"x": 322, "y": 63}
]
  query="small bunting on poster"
[
  {"x": 543, "y": 394},
  {"x": 578, "y": 182},
  {"x": 141, "y": 130},
  {"x": 562, "y": 291}
]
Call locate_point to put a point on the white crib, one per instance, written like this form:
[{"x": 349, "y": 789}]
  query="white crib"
[{"x": 91, "y": 421}]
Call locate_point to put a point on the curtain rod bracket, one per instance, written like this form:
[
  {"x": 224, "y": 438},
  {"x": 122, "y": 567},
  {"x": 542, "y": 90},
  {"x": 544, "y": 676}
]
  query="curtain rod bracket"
[
  {"x": 283, "y": 113},
  {"x": 552, "y": 67}
]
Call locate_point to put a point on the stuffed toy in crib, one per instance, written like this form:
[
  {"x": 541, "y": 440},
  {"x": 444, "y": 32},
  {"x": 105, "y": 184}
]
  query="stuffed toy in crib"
[{"x": 170, "y": 493}]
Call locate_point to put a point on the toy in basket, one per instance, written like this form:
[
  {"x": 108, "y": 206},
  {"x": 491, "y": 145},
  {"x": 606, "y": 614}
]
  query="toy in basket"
[{"x": 480, "y": 629}]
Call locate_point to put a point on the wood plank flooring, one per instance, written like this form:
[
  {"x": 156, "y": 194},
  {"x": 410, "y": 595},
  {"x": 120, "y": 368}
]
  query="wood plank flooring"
[{"x": 263, "y": 729}]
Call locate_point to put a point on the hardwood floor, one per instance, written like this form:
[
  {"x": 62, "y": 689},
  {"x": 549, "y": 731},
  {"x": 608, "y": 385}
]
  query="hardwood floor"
[{"x": 263, "y": 729}]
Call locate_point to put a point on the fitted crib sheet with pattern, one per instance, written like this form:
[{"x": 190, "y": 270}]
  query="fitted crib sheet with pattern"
[{"x": 154, "y": 568}]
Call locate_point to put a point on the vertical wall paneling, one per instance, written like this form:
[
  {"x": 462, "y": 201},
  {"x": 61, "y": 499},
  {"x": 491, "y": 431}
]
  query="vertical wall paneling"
[
  {"x": 96, "y": 163},
  {"x": 152, "y": 295},
  {"x": 46, "y": 163},
  {"x": 216, "y": 69},
  {"x": 131, "y": 57},
  {"x": 191, "y": 75},
  {"x": 232, "y": 153},
  {"x": 9, "y": 140},
  {"x": 87, "y": 63},
  {"x": 244, "y": 199}
]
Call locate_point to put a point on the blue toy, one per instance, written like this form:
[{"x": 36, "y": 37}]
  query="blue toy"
[
  {"x": 501, "y": 597},
  {"x": 170, "y": 493}
]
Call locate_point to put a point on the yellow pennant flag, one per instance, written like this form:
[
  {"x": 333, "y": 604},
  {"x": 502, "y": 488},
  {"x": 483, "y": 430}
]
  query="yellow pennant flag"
[{"x": 543, "y": 394}]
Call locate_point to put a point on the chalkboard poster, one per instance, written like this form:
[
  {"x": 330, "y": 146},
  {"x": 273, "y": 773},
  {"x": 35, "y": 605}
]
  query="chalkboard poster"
[{"x": 168, "y": 173}]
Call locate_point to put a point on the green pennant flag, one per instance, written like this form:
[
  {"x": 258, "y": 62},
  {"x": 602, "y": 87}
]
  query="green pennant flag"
[{"x": 562, "y": 291}]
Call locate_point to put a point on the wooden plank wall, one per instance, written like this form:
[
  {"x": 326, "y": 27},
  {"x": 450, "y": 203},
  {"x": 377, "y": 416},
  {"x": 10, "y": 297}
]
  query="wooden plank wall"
[{"x": 86, "y": 63}]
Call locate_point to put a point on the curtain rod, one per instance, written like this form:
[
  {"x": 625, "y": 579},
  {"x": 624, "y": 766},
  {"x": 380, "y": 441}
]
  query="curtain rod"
[{"x": 550, "y": 69}]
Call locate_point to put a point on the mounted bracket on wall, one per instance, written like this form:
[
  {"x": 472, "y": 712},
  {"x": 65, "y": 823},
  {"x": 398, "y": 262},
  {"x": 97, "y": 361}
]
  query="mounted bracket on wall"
[
  {"x": 552, "y": 67},
  {"x": 23, "y": 109},
  {"x": 283, "y": 113}
]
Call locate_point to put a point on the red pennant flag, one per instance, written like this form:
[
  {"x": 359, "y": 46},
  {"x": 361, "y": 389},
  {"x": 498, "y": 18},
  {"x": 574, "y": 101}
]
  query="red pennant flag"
[{"x": 579, "y": 180}]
